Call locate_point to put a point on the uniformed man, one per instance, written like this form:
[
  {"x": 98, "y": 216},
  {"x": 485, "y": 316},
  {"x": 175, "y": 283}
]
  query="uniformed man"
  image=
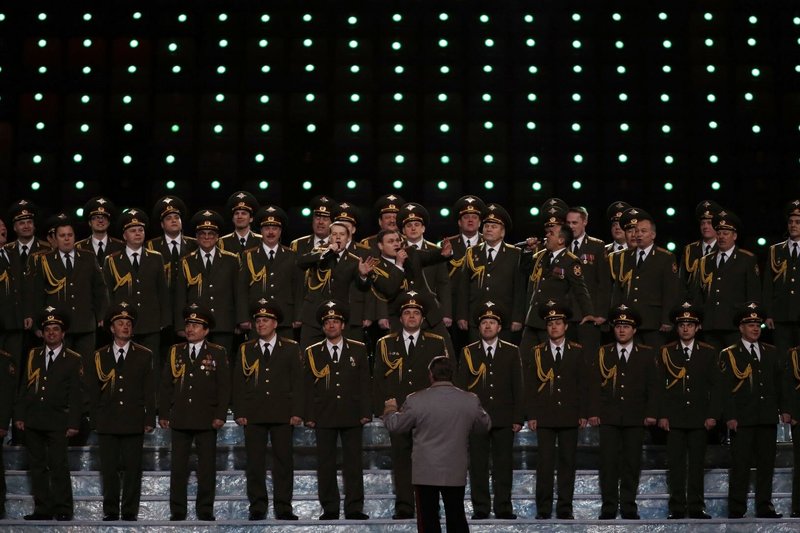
[
  {"x": 8, "y": 390},
  {"x": 555, "y": 274},
  {"x": 322, "y": 208},
  {"x": 613, "y": 214},
  {"x": 173, "y": 244},
  {"x": 11, "y": 288},
  {"x": 209, "y": 276},
  {"x": 48, "y": 410},
  {"x": 646, "y": 278},
  {"x": 99, "y": 213},
  {"x": 268, "y": 401},
  {"x": 557, "y": 405},
  {"x": 690, "y": 407},
  {"x": 331, "y": 272},
  {"x": 136, "y": 276},
  {"x": 491, "y": 272},
  {"x": 492, "y": 369},
  {"x": 692, "y": 252},
  {"x": 781, "y": 294},
  {"x": 401, "y": 367},
  {"x": 386, "y": 207},
  {"x": 792, "y": 403},
  {"x": 592, "y": 254},
  {"x": 71, "y": 280},
  {"x": 338, "y": 406},
  {"x": 625, "y": 399},
  {"x": 269, "y": 271},
  {"x": 22, "y": 215},
  {"x": 195, "y": 392},
  {"x": 725, "y": 278},
  {"x": 242, "y": 206},
  {"x": 123, "y": 399},
  {"x": 752, "y": 404}
]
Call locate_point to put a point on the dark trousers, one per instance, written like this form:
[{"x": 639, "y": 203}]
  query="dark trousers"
[
  {"x": 327, "y": 487},
  {"x": 752, "y": 444},
  {"x": 566, "y": 452},
  {"x": 205, "y": 441},
  {"x": 428, "y": 502},
  {"x": 401, "y": 472},
  {"x": 498, "y": 445},
  {"x": 255, "y": 445},
  {"x": 121, "y": 457},
  {"x": 620, "y": 466},
  {"x": 796, "y": 469},
  {"x": 686, "y": 452},
  {"x": 49, "y": 469}
]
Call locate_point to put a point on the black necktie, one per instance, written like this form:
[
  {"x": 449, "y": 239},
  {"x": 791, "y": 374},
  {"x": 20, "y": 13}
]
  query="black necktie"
[
  {"x": 271, "y": 256},
  {"x": 575, "y": 245},
  {"x": 622, "y": 359},
  {"x": 794, "y": 251},
  {"x": 135, "y": 264},
  {"x": 243, "y": 242},
  {"x": 265, "y": 351},
  {"x": 558, "y": 355},
  {"x": 23, "y": 255},
  {"x": 174, "y": 253},
  {"x": 619, "y": 247},
  {"x": 490, "y": 257},
  {"x": 708, "y": 249},
  {"x": 69, "y": 264},
  {"x": 753, "y": 353},
  {"x": 468, "y": 243},
  {"x": 101, "y": 253},
  {"x": 410, "y": 345},
  {"x": 120, "y": 359},
  {"x": 489, "y": 353},
  {"x": 193, "y": 355},
  {"x": 51, "y": 356},
  {"x": 208, "y": 262},
  {"x": 641, "y": 259},
  {"x": 335, "y": 354},
  {"x": 552, "y": 259},
  {"x": 721, "y": 261},
  {"x": 686, "y": 353}
]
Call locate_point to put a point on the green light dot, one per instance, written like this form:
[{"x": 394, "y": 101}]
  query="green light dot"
[
  {"x": 708, "y": 16},
  {"x": 127, "y": 159},
  {"x": 80, "y": 185},
  {"x": 756, "y": 128},
  {"x": 533, "y": 160},
  {"x": 35, "y": 185},
  {"x": 667, "y": 43},
  {"x": 713, "y": 124},
  {"x": 170, "y": 159},
  {"x": 351, "y": 184},
  {"x": 532, "y": 97},
  {"x": 397, "y": 184},
  {"x": 530, "y": 42},
  {"x": 668, "y": 159},
  {"x": 133, "y": 43},
  {"x": 668, "y": 186},
  {"x": 43, "y": 70},
  {"x": 443, "y": 17},
  {"x": 137, "y": 15},
  {"x": 85, "y": 99},
  {"x": 616, "y": 17},
  {"x": 397, "y": 17},
  {"x": 576, "y": 17},
  {"x": 621, "y": 69},
  {"x": 486, "y": 97},
  {"x": 528, "y": 19},
  {"x": 711, "y": 98},
  {"x": 576, "y": 185},
  {"x": 533, "y": 69},
  {"x": 662, "y": 16},
  {"x": 530, "y": 125},
  {"x": 40, "y": 125},
  {"x": 444, "y": 128},
  {"x": 665, "y": 97},
  {"x": 218, "y": 128},
  {"x": 444, "y": 69},
  {"x": 306, "y": 185},
  {"x": 399, "y": 69},
  {"x": 263, "y": 99},
  {"x": 263, "y": 43},
  {"x": 534, "y": 211},
  {"x": 755, "y": 72},
  {"x": 87, "y": 43},
  {"x": 263, "y": 185},
  {"x": 577, "y": 69},
  {"x": 444, "y": 212},
  {"x": 182, "y": 18},
  {"x": 87, "y": 17},
  {"x": 170, "y": 184},
  {"x": 176, "y": 69},
  {"x": 128, "y": 127},
  {"x": 713, "y": 159},
  {"x": 536, "y": 186},
  {"x": 666, "y": 69},
  {"x": 622, "y": 158},
  {"x": 306, "y": 212},
  {"x": 442, "y": 185},
  {"x": 172, "y": 47},
  {"x": 223, "y": 17},
  {"x": 670, "y": 211},
  {"x": 484, "y": 18},
  {"x": 132, "y": 69},
  {"x": 576, "y": 97},
  {"x": 442, "y": 43},
  {"x": 751, "y": 42},
  {"x": 309, "y": 68},
  {"x": 761, "y": 241},
  {"x": 752, "y": 19},
  {"x": 223, "y": 43},
  {"x": 399, "y": 159},
  {"x": 84, "y": 128},
  {"x": 355, "y": 128},
  {"x": 671, "y": 246},
  {"x": 42, "y": 16},
  {"x": 488, "y": 185},
  {"x": 265, "y": 18},
  {"x": 487, "y": 69},
  {"x": 665, "y": 128},
  {"x": 624, "y": 127},
  {"x": 445, "y": 160},
  {"x": 175, "y": 128},
  {"x": 488, "y": 43},
  {"x": 623, "y": 97},
  {"x": 619, "y": 45},
  {"x": 488, "y": 159},
  {"x": 397, "y": 97},
  {"x": 355, "y": 97},
  {"x": 576, "y": 44},
  {"x": 308, "y": 43},
  {"x": 219, "y": 98},
  {"x": 259, "y": 158},
  {"x": 577, "y": 158},
  {"x": 711, "y": 69},
  {"x": 310, "y": 97},
  {"x": 716, "y": 186},
  {"x": 215, "y": 184},
  {"x": 353, "y": 158},
  {"x": 77, "y": 158},
  {"x": 221, "y": 69},
  {"x": 395, "y": 45},
  {"x": 352, "y": 20},
  {"x": 709, "y": 42},
  {"x": 127, "y": 99},
  {"x": 355, "y": 69},
  {"x": 265, "y": 128},
  {"x": 576, "y": 127}
]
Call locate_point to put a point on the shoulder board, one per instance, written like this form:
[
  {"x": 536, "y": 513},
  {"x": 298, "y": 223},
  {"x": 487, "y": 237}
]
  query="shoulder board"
[
  {"x": 82, "y": 242},
  {"x": 594, "y": 240},
  {"x": 316, "y": 344},
  {"x": 509, "y": 344},
  {"x": 288, "y": 249},
  {"x": 731, "y": 347},
  {"x": 389, "y": 337},
  {"x": 540, "y": 345},
  {"x": 746, "y": 252},
  {"x": 354, "y": 256},
  {"x": 190, "y": 254},
  {"x": 572, "y": 256},
  {"x": 150, "y": 246},
  {"x": 576, "y": 345},
  {"x": 365, "y": 241},
  {"x": 510, "y": 247},
  {"x": 154, "y": 252},
  {"x": 768, "y": 345},
  {"x": 250, "y": 250},
  {"x": 429, "y": 335},
  {"x": 217, "y": 346},
  {"x": 4, "y": 353},
  {"x": 616, "y": 253},
  {"x": 71, "y": 353},
  {"x": 609, "y": 346},
  {"x": 283, "y": 339},
  {"x": 702, "y": 345},
  {"x": 540, "y": 252},
  {"x": 429, "y": 243},
  {"x": 227, "y": 236},
  {"x": 119, "y": 253},
  {"x": 473, "y": 344},
  {"x": 141, "y": 347},
  {"x": 663, "y": 250},
  {"x": 300, "y": 239},
  {"x": 79, "y": 252},
  {"x": 357, "y": 343},
  {"x": 114, "y": 239},
  {"x": 226, "y": 252},
  {"x": 643, "y": 346},
  {"x": 10, "y": 246},
  {"x": 189, "y": 239},
  {"x": 362, "y": 246},
  {"x": 672, "y": 344}
]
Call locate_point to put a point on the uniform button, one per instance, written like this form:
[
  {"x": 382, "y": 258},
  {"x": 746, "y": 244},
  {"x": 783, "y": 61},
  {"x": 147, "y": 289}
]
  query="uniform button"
[
  {"x": 266, "y": 381},
  {"x": 190, "y": 400},
  {"x": 121, "y": 389},
  {"x": 41, "y": 399},
  {"x": 688, "y": 403},
  {"x": 43, "y": 387},
  {"x": 688, "y": 390},
  {"x": 488, "y": 275},
  {"x": 271, "y": 285},
  {"x": 191, "y": 375},
  {"x": 337, "y": 373},
  {"x": 338, "y": 384},
  {"x": 45, "y": 378},
  {"x": 762, "y": 397},
  {"x": 212, "y": 309},
  {"x": 558, "y": 390},
  {"x": 267, "y": 393},
  {"x": 491, "y": 385},
  {"x": 559, "y": 403},
  {"x": 622, "y": 386},
  {"x": 635, "y": 300},
  {"x": 623, "y": 375},
  {"x": 716, "y": 303},
  {"x": 491, "y": 373},
  {"x": 210, "y": 297},
  {"x": 687, "y": 377},
  {"x": 190, "y": 387},
  {"x": 268, "y": 369},
  {"x": 338, "y": 397},
  {"x": 487, "y": 288},
  {"x": 211, "y": 286},
  {"x": 139, "y": 292},
  {"x": 410, "y": 370},
  {"x": 491, "y": 397},
  {"x": 121, "y": 402},
  {"x": 622, "y": 398}
]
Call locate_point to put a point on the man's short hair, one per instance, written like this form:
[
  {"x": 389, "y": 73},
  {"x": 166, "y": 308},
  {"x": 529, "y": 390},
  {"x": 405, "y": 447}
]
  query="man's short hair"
[
  {"x": 580, "y": 210},
  {"x": 382, "y": 233},
  {"x": 565, "y": 233},
  {"x": 441, "y": 368},
  {"x": 340, "y": 224}
]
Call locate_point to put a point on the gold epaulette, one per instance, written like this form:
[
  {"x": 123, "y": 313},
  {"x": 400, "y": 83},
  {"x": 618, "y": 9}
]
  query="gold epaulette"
[
  {"x": 357, "y": 343},
  {"x": 575, "y": 345},
  {"x": 505, "y": 343},
  {"x": 746, "y": 252},
  {"x": 287, "y": 340},
  {"x": 663, "y": 250},
  {"x": 429, "y": 335},
  {"x": 218, "y": 346},
  {"x": 705, "y": 345},
  {"x": 72, "y": 353},
  {"x": 226, "y": 252}
]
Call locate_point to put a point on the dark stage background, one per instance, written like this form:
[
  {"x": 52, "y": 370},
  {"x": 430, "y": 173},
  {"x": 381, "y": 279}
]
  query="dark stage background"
[{"x": 661, "y": 104}]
